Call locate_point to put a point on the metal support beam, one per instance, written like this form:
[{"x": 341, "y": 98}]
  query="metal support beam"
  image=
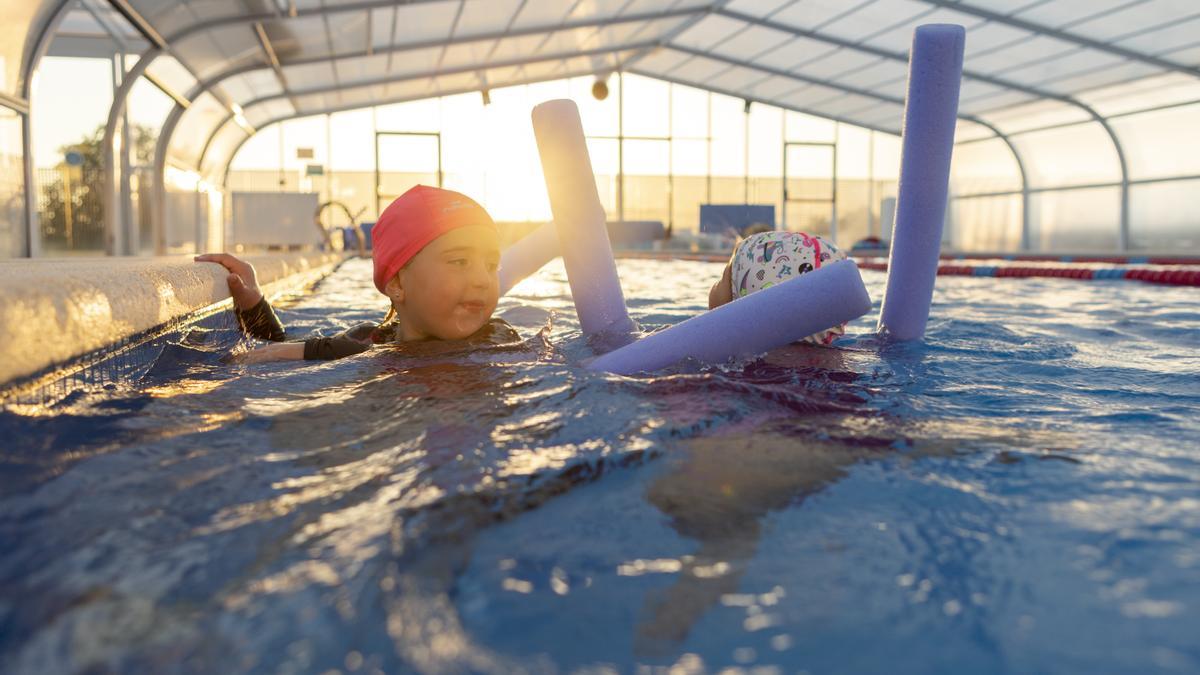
[
  {"x": 158, "y": 213},
  {"x": 511, "y": 63},
  {"x": 385, "y": 101},
  {"x": 390, "y": 81},
  {"x": 217, "y": 79},
  {"x": 33, "y": 238},
  {"x": 666, "y": 39},
  {"x": 12, "y": 102},
  {"x": 798, "y": 77},
  {"x": 117, "y": 222},
  {"x": 294, "y": 12},
  {"x": 1123, "y": 234},
  {"x": 269, "y": 51},
  {"x": 1074, "y": 38},
  {"x": 778, "y": 104},
  {"x": 1026, "y": 234},
  {"x": 142, "y": 25}
]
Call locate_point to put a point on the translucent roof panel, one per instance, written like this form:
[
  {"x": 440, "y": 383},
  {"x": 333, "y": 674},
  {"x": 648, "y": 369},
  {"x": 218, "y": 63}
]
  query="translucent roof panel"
[
  {"x": 1028, "y": 63},
  {"x": 203, "y": 117},
  {"x": 221, "y": 148}
]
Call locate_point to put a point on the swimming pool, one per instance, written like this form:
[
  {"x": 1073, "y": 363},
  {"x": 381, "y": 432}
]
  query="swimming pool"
[{"x": 1017, "y": 494}]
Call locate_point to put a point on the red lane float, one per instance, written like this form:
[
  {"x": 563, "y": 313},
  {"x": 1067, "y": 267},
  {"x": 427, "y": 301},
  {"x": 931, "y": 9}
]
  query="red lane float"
[{"x": 1169, "y": 277}]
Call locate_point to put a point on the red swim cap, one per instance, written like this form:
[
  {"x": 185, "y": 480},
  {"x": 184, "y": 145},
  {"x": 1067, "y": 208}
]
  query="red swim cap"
[{"x": 416, "y": 218}]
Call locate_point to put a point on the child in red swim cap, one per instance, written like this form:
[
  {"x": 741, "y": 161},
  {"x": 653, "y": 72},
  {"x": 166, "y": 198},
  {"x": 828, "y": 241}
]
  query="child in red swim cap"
[{"x": 437, "y": 253}]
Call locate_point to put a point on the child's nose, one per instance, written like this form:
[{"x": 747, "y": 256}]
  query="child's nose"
[{"x": 480, "y": 275}]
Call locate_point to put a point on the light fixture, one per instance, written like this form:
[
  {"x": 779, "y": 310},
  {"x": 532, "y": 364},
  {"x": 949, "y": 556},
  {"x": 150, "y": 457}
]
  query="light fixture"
[
  {"x": 600, "y": 89},
  {"x": 487, "y": 97},
  {"x": 746, "y": 106}
]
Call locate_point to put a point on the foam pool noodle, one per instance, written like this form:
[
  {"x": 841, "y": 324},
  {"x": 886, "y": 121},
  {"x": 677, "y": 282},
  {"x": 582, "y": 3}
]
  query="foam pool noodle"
[
  {"x": 930, "y": 112},
  {"x": 527, "y": 256},
  {"x": 753, "y": 324},
  {"x": 582, "y": 233}
]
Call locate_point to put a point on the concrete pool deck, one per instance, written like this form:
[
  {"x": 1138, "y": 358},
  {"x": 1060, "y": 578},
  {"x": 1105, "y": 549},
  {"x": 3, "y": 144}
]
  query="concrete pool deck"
[{"x": 54, "y": 311}]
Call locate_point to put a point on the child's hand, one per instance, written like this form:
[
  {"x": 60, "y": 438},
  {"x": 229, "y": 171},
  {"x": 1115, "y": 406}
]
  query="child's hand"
[
  {"x": 722, "y": 291},
  {"x": 243, "y": 284}
]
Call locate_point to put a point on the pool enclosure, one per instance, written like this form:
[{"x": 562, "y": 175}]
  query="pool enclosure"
[{"x": 1076, "y": 126}]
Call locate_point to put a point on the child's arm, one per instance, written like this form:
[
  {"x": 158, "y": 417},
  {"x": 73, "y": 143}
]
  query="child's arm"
[
  {"x": 280, "y": 351},
  {"x": 257, "y": 319},
  {"x": 254, "y": 313},
  {"x": 722, "y": 291}
]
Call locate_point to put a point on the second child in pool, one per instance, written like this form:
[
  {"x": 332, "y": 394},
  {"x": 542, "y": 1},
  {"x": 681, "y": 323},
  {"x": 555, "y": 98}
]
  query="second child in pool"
[
  {"x": 768, "y": 258},
  {"x": 437, "y": 253}
]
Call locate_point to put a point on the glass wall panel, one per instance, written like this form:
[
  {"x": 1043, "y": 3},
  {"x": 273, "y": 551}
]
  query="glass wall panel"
[
  {"x": 67, "y": 139},
  {"x": 1165, "y": 216},
  {"x": 646, "y": 106},
  {"x": 422, "y": 115},
  {"x": 984, "y": 166},
  {"x": 1161, "y": 144},
  {"x": 984, "y": 224},
  {"x": 689, "y": 163},
  {"x": 728, "y": 150},
  {"x": 801, "y": 127},
  {"x": 599, "y": 117},
  {"x": 605, "y": 162},
  {"x": 647, "y": 181},
  {"x": 12, "y": 185},
  {"x": 689, "y": 112},
  {"x": 204, "y": 116},
  {"x": 1077, "y": 155},
  {"x": 885, "y": 171},
  {"x": 853, "y": 184},
  {"x": 1075, "y": 220},
  {"x": 22, "y": 21}
]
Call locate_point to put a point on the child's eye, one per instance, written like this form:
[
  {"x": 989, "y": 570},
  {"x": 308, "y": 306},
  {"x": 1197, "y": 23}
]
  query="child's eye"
[{"x": 459, "y": 261}]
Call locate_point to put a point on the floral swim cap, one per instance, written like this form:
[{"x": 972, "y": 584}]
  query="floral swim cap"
[{"x": 768, "y": 258}]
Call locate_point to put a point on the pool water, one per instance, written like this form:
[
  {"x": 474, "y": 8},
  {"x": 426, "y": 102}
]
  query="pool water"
[{"x": 1020, "y": 493}]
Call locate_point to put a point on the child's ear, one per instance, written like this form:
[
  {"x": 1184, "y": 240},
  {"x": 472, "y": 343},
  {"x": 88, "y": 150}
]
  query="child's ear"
[{"x": 395, "y": 290}]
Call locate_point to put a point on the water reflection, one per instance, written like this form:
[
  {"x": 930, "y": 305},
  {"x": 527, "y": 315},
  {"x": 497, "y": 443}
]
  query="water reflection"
[{"x": 719, "y": 488}]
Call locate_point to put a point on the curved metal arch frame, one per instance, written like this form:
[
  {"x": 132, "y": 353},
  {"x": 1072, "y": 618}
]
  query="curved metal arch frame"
[
  {"x": 336, "y": 109},
  {"x": 1096, "y": 117},
  {"x": 33, "y": 243},
  {"x": 547, "y": 29},
  {"x": 1025, "y": 221},
  {"x": 176, "y": 114},
  {"x": 325, "y": 10},
  {"x": 173, "y": 118},
  {"x": 969, "y": 118},
  {"x": 1026, "y": 243},
  {"x": 114, "y": 187},
  {"x": 1080, "y": 40},
  {"x": 1123, "y": 230},
  {"x": 560, "y": 56},
  {"x": 898, "y": 101},
  {"x": 330, "y": 111}
]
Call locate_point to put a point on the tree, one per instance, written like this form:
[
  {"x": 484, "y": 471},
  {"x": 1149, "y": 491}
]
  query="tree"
[{"x": 71, "y": 209}]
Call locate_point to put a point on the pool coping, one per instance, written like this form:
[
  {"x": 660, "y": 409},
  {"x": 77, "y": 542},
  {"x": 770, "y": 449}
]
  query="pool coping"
[{"x": 62, "y": 315}]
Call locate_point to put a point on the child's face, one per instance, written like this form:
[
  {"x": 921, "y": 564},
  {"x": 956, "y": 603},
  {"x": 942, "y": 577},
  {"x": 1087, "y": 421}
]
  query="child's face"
[{"x": 450, "y": 289}]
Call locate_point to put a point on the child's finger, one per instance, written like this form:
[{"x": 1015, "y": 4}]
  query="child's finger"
[
  {"x": 235, "y": 282},
  {"x": 223, "y": 259}
]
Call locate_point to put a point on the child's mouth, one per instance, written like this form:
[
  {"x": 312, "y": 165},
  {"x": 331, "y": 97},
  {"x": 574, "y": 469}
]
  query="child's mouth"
[{"x": 473, "y": 306}]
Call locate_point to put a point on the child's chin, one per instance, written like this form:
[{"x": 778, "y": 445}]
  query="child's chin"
[{"x": 461, "y": 330}]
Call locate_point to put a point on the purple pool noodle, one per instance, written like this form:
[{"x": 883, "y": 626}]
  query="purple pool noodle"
[
  {"x": 582, "y": 233},
  {"x": 527, "y": 256},
  {"x": 930, "y": 111},
  {"x": 753, "y": 324}
]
